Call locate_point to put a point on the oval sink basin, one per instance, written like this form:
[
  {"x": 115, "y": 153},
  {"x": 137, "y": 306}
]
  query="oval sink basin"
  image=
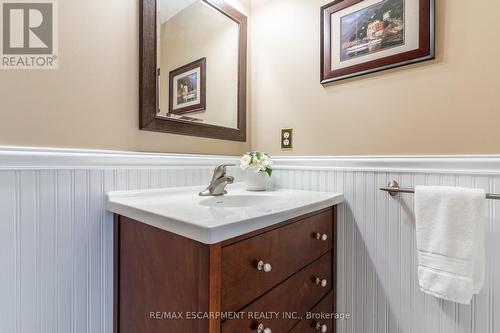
[{"x": 235, "y": 201}]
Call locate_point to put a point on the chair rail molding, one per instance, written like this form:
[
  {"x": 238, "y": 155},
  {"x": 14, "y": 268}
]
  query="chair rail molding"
[
  {"x": 455, "y": 164},
  {"x": 54, "y": 158},
  {"x": 12, "y": 158}
]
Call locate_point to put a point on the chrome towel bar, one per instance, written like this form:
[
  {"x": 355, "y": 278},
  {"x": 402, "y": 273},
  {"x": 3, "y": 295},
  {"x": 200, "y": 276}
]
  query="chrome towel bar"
[{"x": 393, "y": 189}]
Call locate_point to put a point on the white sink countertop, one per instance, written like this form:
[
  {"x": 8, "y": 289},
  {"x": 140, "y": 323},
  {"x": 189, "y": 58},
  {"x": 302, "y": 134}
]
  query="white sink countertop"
[{"x": 211, "y": 220}]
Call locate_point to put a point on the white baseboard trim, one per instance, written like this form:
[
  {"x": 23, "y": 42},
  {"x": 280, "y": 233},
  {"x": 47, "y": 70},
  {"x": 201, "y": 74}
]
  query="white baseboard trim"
[{"x": 49, "y": 158}]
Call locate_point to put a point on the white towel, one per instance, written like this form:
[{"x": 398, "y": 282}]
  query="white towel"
[{"x": 450, "y": 224}]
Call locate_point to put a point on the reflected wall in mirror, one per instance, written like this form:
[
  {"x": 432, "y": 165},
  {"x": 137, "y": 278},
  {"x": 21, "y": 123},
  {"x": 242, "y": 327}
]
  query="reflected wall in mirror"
[
  {"x": 199, "y": 73},
  {"x": 193, "y": 31}
]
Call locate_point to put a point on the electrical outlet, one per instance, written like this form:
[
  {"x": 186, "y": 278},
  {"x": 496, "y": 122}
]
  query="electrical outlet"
[{"x": 287, "y": 139}]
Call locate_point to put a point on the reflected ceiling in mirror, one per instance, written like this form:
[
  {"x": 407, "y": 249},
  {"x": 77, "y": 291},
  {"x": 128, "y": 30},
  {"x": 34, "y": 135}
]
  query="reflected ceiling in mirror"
[{"x": 197, "y": 63}]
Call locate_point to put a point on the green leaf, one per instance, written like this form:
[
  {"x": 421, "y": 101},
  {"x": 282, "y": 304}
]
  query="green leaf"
[{"x": 269, "y": 171}]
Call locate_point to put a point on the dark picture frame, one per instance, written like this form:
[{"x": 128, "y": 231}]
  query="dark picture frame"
[
  {"x": 424, "y": 52},
  {"x": 149, "y": 120},
  {"x": 200, "y": 87}
]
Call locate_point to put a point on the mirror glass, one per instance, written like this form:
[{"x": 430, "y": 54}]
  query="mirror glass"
[{"x": 197, "y": 60}]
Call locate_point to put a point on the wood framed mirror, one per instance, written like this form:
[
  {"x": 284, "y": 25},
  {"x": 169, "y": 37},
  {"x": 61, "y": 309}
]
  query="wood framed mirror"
[{"x": 193, "y": 68}]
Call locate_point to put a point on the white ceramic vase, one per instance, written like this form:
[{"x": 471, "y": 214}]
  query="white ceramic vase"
[{"x": 256, "y": 181}]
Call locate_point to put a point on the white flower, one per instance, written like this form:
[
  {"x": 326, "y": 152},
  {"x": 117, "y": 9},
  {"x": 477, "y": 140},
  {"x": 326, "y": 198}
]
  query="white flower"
[
  {"x": 257, "y": 162},
  {"x": 265, "y": 161},
  {"x": 245, "y": 161},
  {"x": 256, "y": 167}
]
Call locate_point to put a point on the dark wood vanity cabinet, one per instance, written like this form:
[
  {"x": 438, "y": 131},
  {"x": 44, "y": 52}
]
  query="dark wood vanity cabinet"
[{"x": 264, "y": 281}]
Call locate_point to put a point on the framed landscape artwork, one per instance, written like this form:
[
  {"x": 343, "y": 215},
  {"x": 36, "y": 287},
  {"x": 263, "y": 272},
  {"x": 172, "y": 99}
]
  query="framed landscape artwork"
[
  {"x": 361, "y": 37},
  {"x": 187, "y": 88}
]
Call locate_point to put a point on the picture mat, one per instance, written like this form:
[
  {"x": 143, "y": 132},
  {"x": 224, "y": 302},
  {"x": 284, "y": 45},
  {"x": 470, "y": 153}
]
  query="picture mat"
[
  {"x": 412, "y": 31},
  {"x": 198, "y": 89}
]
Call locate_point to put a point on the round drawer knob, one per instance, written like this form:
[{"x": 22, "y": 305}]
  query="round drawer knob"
[
  {"x": 262, "y": 329},
  {"x": 262, "y": 266},
  {"x": 321, "y": 282},
  {"x": 322, "y": 328},
  {"x": 322, "y": 237}
]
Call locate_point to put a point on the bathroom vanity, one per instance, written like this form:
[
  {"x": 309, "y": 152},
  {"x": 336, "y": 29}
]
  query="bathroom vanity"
[{"x": 239, "y": 263}]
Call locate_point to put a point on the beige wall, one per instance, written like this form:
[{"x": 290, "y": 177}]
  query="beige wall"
[
  {"x": 196, "y": 32},
  {"x": 447, "y": 106},
  {"x": 92, "y": 100}
]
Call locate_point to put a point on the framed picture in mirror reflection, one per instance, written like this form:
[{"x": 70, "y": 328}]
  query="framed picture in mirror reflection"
[{"x": 187, "y": 88}]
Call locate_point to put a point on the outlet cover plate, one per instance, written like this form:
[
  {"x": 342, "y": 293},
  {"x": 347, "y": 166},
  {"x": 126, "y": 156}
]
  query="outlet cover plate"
[{"x": 287, "y": 139}]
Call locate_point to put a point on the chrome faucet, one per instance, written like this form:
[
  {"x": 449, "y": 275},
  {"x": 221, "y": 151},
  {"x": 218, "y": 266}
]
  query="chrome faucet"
[{"x": 219, "y": 182}]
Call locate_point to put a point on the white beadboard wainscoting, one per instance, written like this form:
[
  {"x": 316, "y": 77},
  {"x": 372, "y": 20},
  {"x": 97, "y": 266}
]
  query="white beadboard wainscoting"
[
  {"x": 56, "y": 237},
  {"x": 377, "y": 263}
]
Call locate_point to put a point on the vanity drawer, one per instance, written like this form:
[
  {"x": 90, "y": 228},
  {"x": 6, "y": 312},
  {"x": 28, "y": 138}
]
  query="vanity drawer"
[
  {"x": 286, "y": 249},
  {"x": 296, "y": 296},
  {"x": 315, "y": 325}
]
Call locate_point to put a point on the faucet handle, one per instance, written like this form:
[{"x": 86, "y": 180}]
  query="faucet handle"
[
  {"x": 220, "y": 170},
  {"x": 225, "y": 165}
]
